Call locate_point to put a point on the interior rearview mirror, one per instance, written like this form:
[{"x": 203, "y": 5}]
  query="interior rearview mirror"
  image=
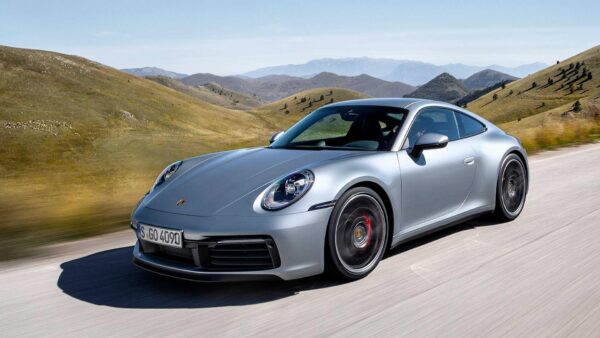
[
  {"x": 275, "y": 136},
  {"x": 429, "y": 141}
]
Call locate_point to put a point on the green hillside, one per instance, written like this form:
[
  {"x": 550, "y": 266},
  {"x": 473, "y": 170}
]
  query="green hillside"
[
  {"x": 81, "y": 142},
  {"x": 542, "y": 108},
  {"x": 287, "y": 111}
]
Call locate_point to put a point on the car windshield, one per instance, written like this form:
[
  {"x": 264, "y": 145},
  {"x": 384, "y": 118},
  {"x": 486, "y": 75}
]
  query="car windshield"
[{"x": 364, "y": 128}]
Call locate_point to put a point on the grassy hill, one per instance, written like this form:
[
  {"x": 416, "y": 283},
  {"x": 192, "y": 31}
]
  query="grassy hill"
[
  {"x": 443, "y": 87},
  {"x": 541, "y": 108},
  {"x": 486, "y": 78},
  {"x": 287, "y": 111},
  {"x": 212, "y": 93},
  {"x": 81, "y": 142}
]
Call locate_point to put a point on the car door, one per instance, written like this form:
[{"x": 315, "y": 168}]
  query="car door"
[{"x": 436, "y": 182}]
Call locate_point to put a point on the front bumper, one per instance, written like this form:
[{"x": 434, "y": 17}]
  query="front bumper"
[{"x": 299, "y": 240}]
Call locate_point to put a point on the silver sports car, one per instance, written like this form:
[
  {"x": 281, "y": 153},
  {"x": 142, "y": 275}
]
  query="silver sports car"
[{"x": 334, "y": 192}]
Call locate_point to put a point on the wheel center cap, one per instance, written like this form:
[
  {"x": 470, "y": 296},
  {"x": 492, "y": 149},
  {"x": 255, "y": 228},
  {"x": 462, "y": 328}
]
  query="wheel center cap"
[
  {"x": 511, "y": 189},
  {"x": 360, "y": 235}
]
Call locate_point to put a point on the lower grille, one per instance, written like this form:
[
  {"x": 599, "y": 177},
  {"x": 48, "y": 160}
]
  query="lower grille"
[
  {"x": 240, "y": 255},
  {"x": 221, "y": 254}
]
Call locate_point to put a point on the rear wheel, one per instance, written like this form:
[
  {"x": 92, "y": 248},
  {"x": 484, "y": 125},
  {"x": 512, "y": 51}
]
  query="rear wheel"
[
  {"x": 511, "y": 188},
  {"x": 356, "y": 234}
]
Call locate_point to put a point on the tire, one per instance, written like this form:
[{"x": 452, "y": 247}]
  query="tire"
[
  {"x": 511, "y": 188},
  {"x": 356, "y": 235}
]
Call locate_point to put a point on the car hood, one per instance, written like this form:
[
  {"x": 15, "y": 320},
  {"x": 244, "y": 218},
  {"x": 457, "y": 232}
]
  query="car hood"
[{"x": 211, "y": 185}]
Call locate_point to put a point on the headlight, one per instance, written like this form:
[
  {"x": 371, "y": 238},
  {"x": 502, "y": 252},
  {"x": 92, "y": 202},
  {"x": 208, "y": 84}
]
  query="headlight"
[
  {"x": 167, "y": 174},
  {"x": 287, "y": 190}
]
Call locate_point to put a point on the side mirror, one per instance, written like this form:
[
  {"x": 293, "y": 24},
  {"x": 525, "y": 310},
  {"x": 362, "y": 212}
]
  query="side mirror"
[
  {"x": 275, "y": 136},
  {"x": 429, "y": 141}
]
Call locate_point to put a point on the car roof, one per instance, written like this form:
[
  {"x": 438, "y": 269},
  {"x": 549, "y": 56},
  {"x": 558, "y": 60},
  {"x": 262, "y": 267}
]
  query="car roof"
[{"x": 390, "y": 102}]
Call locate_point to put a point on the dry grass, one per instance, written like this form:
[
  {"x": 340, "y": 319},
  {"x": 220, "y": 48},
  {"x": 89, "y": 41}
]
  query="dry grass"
[{"x": 554, "y": 135}]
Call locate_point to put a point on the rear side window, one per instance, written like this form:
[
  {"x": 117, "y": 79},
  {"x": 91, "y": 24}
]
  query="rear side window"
[{"x": 468, "y": 126}]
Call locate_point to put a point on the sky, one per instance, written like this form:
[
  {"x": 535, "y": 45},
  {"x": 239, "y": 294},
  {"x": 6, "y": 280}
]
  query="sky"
[{"x": 232, "y": 37}]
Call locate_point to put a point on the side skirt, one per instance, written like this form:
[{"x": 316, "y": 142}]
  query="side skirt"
[{"x": 429, "y": 230}]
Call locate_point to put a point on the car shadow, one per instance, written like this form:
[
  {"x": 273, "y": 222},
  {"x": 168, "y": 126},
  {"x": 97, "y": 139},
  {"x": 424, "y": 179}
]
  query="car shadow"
[
  {"x": 434, "y": 236},
  {"x": 109, "y": 278}
]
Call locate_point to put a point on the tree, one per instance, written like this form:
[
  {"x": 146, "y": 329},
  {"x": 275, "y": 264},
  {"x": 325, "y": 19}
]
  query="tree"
[
  {"x": 331, "y": 100},
  {"x": 550, "y": 81},
  {"x": 503, "y": 85},
  {"x": 331, "y": 92},
  {"x": 322, "y": 98},
  {"x": 511, "y": 92},
  {"x": 495, "y": 97},
  {"x": 577, "y": 65},
  {"x": 577, "y": 106},
  {"x": 589, "y": 75},
  {"x": 557, "y": 62},
  {"x": 285, "y": 106},
  {"x": 534, "y": 84}
]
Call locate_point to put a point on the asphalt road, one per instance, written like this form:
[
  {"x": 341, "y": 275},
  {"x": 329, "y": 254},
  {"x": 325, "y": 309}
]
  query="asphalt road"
[{"x": 536, "y": 276}]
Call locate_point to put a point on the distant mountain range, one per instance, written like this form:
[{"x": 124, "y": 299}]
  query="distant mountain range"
[
  {"x": 275, "y": 87},
  {"x": 406, "y": 71},
  {"x": 153, "y": 71},
  {"x": 444, "y": 87}
]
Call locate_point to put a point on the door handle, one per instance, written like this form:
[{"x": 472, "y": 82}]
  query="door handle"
[{"x": 469, "y": 160}]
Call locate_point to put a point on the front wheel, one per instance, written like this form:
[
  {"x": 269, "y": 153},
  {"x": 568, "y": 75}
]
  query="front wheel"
[
  {"x": 511, "y": 188},
  {"x": 357, "y": 234}
]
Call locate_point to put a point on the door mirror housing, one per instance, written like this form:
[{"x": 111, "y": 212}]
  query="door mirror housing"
[
  {"x": 275, "y": 136},
  {"x": 429, "y": 141}
]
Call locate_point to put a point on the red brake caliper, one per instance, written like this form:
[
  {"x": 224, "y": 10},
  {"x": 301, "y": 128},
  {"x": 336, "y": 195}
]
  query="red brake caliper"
[{"x": 369, "y": 223}]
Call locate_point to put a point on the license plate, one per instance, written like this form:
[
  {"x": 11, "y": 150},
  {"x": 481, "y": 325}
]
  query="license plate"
[{"x": 161, "y": 236}]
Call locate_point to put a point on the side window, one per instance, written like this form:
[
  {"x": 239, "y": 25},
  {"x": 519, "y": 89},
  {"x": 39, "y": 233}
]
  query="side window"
[
  {"x": 433, "y": 120},
  {"x": 468, "y": 126}
]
